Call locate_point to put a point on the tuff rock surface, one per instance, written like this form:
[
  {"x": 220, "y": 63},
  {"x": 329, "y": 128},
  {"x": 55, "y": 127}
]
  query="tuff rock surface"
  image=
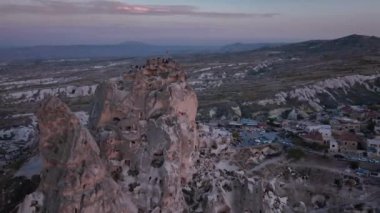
[
  {"x": 75, "y": 178},
  {"x": 144, "y": 152},
  {"x": 147, "y": 131}
]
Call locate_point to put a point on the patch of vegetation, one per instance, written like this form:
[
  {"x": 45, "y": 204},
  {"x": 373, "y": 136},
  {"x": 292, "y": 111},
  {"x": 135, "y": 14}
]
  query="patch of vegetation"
[
  {"x": 16, "y": 164},
  {"x": 314, "y": 146},
  {"x": 338, "y": 183},
  {"x": 325, "y": 122},
  {"x": 295, "y": 154},
  {"x": 164, "y": 74},
  {"x": 236, "y": 136},
  {"x": 354, "y": 165},
  {"x": 221, "y": 96},
  {"x": 2, "y": 151},
  {"x": 14, "y": 190},
  {"x": 133, "y": 172},
  {"x": 371, "y": 125}
]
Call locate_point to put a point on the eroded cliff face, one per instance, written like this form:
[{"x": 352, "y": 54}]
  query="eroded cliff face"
[
  {"x": 225, "y": 180},
  {"x": 144, "y": 152},
  {"x": 74, "y": 178},
  {"x": 148, "y": 133}
]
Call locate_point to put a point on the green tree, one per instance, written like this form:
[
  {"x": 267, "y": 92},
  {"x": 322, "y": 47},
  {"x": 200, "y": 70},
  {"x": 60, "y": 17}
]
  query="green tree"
[{"x": 295, "y": 154}]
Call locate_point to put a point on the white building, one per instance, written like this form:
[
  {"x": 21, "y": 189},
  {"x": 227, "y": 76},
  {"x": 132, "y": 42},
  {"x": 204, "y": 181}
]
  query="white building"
[
  {"x": 377, "y": 128},
  {"x": 373, "y": 147},
  {"x": 325, "y": 130},
  {"x": 334, "y": 146}
]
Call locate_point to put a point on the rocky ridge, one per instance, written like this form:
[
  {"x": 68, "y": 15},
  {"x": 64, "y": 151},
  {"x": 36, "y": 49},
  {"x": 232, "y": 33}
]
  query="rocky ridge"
[
  {"x": 36, "y": 95},
  {"x": 310, "y": 94}
]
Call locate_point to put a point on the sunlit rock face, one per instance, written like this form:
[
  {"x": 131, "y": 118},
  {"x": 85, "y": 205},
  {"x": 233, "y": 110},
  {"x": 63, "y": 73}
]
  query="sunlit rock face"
[{"x": 146, "y": 128}]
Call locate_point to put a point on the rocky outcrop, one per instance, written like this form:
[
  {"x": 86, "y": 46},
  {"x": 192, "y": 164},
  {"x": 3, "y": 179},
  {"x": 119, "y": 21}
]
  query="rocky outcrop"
[
  {"x": 35, "y": 95},
  {"x": 74, "y": 178},
  {"x": 145, "y": 152},
  {"x": 224, "y": 179},
  {"x": 145, "y": 149},
  {"x": 311, "y": 94},
  {"x": 146, "y": 128}
]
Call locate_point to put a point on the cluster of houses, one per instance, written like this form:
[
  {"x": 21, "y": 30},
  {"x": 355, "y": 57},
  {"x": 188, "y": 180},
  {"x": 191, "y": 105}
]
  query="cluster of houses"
[
  {"x": 15, "y": 142},
  {"x": 351, "y": 131},
  {"x": 348, "y": 131},
  {"x": 249, "y": 132}
]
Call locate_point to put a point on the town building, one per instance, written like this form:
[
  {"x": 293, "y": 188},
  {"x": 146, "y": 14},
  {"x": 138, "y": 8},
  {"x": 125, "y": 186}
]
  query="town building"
[
  {"x": 348, "y": 142},
  {"x": 325, "y": 131},
  {"x": 235, "y": 124},
  {"x": 248, "y": 122},
  {"x": 373, "y": 148},
  {"x": 344, "y": 124},
  {"x": 314, "y": 137},
  {"x": 333, "y": 146}
]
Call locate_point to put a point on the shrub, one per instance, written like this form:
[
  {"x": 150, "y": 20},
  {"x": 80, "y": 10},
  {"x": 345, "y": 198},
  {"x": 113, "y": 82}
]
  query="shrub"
[
  {"x": 354, "y": 165},
  {"x": 236, "y": 135},
  {"x": 295, "y": 154}
]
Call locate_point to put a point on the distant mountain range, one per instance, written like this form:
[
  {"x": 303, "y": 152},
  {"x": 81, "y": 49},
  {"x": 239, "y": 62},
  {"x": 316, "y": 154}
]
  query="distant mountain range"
[
  {"x": 240, "y": 47},
  {"x": 353, "y": 44},
  {"x": 126, "y": 49},
  {"x": 349, "y": 45}
]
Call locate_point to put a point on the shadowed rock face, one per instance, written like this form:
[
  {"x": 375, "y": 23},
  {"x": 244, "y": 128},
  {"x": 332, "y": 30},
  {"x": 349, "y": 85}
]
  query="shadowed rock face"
[{"x": 75, "y": 178}]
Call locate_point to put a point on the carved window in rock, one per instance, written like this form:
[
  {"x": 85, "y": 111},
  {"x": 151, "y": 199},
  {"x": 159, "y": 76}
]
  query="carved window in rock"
[{"x": 144, "y": 138}]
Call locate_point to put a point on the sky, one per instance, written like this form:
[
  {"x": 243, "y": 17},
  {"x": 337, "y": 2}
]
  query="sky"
[{"x": 190, "y": 22}]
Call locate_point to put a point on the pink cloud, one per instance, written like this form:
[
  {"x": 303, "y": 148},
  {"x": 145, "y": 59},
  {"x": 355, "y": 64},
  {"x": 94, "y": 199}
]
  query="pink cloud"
[{"x": 116, "y": 7}]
